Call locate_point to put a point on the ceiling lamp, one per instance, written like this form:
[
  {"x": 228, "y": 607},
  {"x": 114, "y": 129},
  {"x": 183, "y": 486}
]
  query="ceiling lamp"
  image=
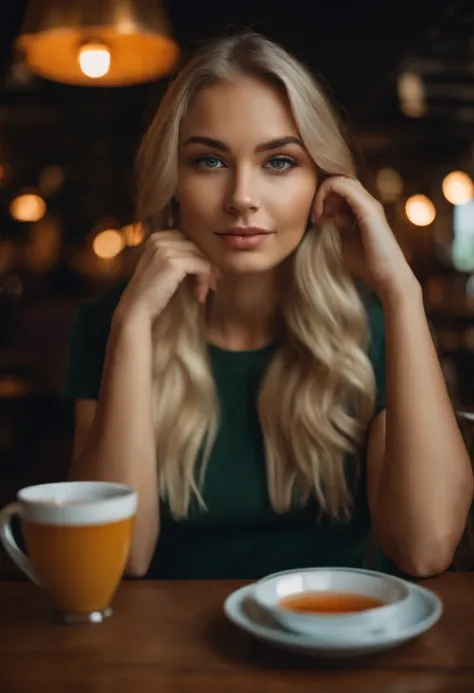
[
  {"x": 458, "y": 188},
  {"x": 420, "y": 210},
  {"x": 411, "y": 94},
  {"x": 108, "y": 244},
  {"x": 389, "y": 184},
  {"x": 27, "y": 207},
  {"x": 98, "y": 42}
]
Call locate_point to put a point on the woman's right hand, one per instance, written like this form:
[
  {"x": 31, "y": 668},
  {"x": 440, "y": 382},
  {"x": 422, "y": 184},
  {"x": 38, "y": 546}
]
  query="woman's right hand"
[{"x": 168, "y": 257}]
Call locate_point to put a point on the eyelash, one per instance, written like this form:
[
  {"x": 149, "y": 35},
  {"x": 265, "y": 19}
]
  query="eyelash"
[{"x": 287, "y": 159}]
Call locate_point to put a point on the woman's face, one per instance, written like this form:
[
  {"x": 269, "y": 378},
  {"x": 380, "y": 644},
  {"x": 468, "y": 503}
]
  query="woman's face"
[{"x": 246, "y": 182}]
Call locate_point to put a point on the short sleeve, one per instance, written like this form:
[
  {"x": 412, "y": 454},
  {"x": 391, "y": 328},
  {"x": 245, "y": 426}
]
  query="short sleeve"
[
  {"x": 377, "y": 351},
  {"x": 87, "y": 346}
]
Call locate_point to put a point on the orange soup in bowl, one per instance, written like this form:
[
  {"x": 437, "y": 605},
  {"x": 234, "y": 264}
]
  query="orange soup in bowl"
[{"x": 329, "y": 602}]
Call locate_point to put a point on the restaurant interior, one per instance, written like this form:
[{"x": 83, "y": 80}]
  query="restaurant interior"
[
  {"x": 74, "y": 105},
  {"x": 401, "y": 76}
]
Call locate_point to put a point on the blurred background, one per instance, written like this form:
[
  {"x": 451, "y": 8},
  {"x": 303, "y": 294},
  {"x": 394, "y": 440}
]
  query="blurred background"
[{"x": 79, "y": 81}]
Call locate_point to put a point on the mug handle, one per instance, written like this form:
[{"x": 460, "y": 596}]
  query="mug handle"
[{"x": 8, "y": 541}]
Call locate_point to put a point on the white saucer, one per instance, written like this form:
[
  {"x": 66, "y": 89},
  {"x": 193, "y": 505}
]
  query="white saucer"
[{"x": 425, "y": 609}]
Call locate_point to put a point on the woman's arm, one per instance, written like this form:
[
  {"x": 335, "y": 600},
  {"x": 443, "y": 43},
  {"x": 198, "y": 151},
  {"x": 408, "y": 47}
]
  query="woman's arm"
[
  {"x": 420, "y": 480},
  {"x": 419, "y": 474},
  {"x": 119, "y": 444}
]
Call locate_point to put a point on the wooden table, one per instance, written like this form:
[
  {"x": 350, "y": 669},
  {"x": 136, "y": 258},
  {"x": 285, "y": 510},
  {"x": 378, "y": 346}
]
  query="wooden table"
[{"x": 173, "y": 638}]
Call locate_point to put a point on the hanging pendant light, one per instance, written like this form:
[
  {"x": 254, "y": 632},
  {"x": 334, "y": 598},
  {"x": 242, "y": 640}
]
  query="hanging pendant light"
[{"x": 98, "y": 42}]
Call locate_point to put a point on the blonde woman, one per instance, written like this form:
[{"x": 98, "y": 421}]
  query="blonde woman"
[{"x": 268, "y": 414}]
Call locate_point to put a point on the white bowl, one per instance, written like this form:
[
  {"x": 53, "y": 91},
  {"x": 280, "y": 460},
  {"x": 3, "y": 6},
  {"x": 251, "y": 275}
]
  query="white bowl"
[{"x": 382, "y": 620}]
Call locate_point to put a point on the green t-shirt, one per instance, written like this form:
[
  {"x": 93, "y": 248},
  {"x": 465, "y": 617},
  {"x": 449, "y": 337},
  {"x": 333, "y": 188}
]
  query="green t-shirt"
[{"x": 239, "y": 535}]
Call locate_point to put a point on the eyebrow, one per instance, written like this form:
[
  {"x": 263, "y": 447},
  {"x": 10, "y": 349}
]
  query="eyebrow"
[{"x": 265, "y": 146}]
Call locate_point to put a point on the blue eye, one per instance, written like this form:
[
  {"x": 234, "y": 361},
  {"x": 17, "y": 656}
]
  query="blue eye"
[
  {"x": 207, "y": 161},
  {"x": 281, "y": 164}
]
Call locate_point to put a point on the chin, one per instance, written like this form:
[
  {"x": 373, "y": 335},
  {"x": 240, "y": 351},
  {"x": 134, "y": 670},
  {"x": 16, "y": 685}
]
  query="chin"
[{"x": 247, "y": 263}]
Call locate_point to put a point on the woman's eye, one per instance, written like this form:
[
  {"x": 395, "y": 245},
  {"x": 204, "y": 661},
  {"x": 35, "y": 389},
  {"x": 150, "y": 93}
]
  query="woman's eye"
[
  {"x": 207, "y": 161},
  {"x": 281, "y": 163}
]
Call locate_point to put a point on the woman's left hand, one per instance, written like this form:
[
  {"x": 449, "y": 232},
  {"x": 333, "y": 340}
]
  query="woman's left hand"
[{"x": 370, "y": 249}]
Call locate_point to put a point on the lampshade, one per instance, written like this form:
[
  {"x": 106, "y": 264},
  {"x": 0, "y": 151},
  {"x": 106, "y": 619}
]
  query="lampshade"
[{"x": 98, "y": 42}]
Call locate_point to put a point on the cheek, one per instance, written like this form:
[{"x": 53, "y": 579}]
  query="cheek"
[
  {"x": 295, "y": 207},
  {"x": 198, "y": 200}
]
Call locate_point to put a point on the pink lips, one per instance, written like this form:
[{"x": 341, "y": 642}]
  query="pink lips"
[{"x": 244, "y": 238}]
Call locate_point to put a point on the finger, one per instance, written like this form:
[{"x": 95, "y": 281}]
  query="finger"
[
  {"x": 212, "y": 278},
  {"x": 174, "y": 237},
  {"x": 350, "y": 190},
  {"x": 182, "y": 244},
  {"x": 326, "y": 199},
  {"x": 171, "y": 239},
  {"x": 192, "y": 264},
  {"x": 176, "y": 247},
  {"x": 164, "y": 235},
  {"x": 167, "y": 237},
  {"x": 216, "y": 276},
  {"x": 185, "y": 264},
  {"x": 202, "y": 287},
  {"x": 190, "y": 250}
]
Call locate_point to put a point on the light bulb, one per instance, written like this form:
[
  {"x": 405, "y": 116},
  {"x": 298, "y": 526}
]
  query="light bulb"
[
  {"x": 28, "y": 207},
  {"x": 420, "y": 210},
  {"x": 108, "y": 244},
  {"x": 94, "y": 59},
  {"x": 389, "y": 184},
  {"x": 411, "y": 94},
  {"x": 458, "y": 188}
]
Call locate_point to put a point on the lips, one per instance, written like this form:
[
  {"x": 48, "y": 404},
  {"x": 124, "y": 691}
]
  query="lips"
[
  {"x": 240, "y": 239},
  {"x": 244, "y": 231}
]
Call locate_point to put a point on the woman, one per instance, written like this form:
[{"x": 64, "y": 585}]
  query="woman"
[{"x": 242, "y": 368}]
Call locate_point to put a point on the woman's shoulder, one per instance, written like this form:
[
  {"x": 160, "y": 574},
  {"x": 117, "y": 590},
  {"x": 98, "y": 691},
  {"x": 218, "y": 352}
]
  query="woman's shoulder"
[{"x": 87, "y": 343}]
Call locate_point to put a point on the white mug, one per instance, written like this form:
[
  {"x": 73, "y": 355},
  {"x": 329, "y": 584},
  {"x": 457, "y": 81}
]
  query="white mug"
[{"x": 78, "y": 536}]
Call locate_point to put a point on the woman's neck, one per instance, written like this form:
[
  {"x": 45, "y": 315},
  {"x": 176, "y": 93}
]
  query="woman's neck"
[{"x": 242, "y": 314}]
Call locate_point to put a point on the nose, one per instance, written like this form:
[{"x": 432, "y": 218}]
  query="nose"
[{"x": 242, "y": 195}]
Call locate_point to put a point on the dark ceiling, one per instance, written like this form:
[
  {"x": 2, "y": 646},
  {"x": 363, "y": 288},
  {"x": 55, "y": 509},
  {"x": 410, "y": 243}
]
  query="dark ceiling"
[{"x": 355, "y": 47}]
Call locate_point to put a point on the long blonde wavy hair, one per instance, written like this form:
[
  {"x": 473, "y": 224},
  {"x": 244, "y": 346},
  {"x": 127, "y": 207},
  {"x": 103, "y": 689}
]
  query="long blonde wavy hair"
[{"x": 317, "y": 397}]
